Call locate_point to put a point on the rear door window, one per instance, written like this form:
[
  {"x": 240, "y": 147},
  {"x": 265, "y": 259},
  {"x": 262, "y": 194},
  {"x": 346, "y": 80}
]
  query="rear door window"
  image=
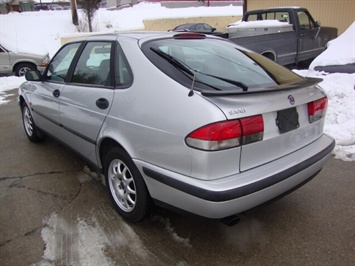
[
  {"x": 123, "y": 73},
  {"x": 94, "y": 65}
]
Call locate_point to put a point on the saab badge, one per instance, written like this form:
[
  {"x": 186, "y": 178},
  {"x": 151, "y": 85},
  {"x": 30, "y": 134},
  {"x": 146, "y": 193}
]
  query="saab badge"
[{"x": 291, "y": 99}]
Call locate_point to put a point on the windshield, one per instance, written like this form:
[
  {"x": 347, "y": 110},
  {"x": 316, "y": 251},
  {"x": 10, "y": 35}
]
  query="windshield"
[{"x": 215, "y": 64}]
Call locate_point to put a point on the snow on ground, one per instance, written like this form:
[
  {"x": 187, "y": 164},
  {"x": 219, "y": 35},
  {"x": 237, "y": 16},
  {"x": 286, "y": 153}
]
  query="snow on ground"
[
  {"x": 9, "y": 83},
  {"x": 40, "y": 32},
  {"x": 340, "y": 119}
]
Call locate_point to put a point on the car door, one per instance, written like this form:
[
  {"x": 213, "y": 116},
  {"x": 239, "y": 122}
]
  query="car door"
[
  {"x": 46, "y": 94},
  {"x": 308, "y": 33},
  {"x": 87, "y": 98},
  {"x": 4, "y": 61}
]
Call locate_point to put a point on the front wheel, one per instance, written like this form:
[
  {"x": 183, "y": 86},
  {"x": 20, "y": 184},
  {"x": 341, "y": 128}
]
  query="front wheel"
[
  {"x": 32, "y": 132},
  {"x": 126, "y": 186},
  {"x": 22, "y": 68}
]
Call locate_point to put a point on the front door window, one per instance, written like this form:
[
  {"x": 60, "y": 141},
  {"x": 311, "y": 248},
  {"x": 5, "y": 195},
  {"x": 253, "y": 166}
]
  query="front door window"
[{"x": 59, "y": 66}]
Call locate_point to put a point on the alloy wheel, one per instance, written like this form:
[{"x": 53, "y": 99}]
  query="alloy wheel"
[
  {"x": 122, "y": 185},
  {"x": 27, "y": 121}
]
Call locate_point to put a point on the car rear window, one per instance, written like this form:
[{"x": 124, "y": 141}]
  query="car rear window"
[{"x": 216, "y": 64}]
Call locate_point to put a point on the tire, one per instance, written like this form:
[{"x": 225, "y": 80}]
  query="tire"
[
  {"x": 22, "y": 68},
  {"x": 32, "y": 132},
  {"x": 126, "y": 186}
]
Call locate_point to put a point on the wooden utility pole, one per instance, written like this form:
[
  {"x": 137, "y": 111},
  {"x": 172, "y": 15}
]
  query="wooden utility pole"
[{"x": 74, "y": 12}]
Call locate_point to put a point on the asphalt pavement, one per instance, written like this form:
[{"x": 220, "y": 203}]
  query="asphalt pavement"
[{"x": 55, "y": 211}]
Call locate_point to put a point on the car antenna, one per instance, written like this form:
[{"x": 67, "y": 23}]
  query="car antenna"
[{"x": 191, "y": 92}]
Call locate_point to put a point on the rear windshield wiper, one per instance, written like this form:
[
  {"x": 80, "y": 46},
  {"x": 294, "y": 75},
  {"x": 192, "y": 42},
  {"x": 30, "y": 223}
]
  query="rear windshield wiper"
[
  {"x": 180, "y": 65},
  {"x": 233, "y": 82},
  {"x": 176, "y": 62}
]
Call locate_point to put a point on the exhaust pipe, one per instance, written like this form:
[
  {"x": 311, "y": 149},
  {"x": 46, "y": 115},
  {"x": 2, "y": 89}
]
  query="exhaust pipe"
[{"x": 231, "y": 220}]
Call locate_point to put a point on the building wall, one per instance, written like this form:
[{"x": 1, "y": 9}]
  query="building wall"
[{"x": 333, "y": 13}]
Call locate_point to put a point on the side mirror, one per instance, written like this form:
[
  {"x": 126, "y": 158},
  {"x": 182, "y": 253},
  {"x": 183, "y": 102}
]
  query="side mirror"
[
  {"x": 213, "y": 29},
  {"x": 33, "y": 75},
  {"x": 318, "y": 23}
]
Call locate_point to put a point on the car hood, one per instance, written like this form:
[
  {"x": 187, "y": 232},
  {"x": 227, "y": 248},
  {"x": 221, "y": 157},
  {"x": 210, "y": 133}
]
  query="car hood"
[{"x": 27, "y": 55}]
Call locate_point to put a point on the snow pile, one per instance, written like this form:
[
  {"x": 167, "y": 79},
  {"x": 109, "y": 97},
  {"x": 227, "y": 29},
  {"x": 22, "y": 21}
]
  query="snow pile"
[
  {"x": 340, "y": 118},
  {"x": 40, "y": 32},
  {"x": 35, "y": 32},
  {"x": 340, "y": 51}
]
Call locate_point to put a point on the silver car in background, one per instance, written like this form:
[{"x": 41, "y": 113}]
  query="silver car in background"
[
  {"x": 20, "y": 63},
  {"x": 184, "y": 120}
]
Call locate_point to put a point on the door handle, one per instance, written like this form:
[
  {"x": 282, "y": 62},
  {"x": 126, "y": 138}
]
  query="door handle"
[
  {"x": 56, "y": 93},
  {"x": 102, "y": 103}
]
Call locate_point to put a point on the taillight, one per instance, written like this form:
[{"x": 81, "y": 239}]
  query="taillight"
[
  {"x": 253, "y": 129},
  {"x": 227, "y": 134},
  {"x": 317, "y": 109}
]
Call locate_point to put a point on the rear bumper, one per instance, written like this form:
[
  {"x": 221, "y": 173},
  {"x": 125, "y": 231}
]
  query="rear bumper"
[{"x": 237, "y": 193}]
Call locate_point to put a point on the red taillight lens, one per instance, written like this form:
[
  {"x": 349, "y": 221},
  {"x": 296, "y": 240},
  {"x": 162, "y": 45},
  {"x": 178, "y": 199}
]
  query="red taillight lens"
[
  {"x": 227, "y": 134},
  {"x": 253, "y": 129},
  {"x": 218, "y": 131},
  {"x": 317, "y": 109}
]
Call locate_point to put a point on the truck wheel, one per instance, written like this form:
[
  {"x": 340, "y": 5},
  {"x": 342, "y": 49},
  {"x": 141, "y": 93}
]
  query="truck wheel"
[
  {"x": 22, "y": 68},
  {"x": 126, "y": 186},
  {"x": 32, "y": 132}
]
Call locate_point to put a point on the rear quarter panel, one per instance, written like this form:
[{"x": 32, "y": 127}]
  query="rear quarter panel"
[{"x": 152, "y": 118}]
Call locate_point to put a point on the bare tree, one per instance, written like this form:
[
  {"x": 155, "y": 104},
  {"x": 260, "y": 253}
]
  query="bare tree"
[{"x": 89, "y": 7}]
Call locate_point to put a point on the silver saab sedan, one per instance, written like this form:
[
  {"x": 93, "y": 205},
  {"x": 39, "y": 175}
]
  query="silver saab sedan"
[{"x": 184, "y": 120}]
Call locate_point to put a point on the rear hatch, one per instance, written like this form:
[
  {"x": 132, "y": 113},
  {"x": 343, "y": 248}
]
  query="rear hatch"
[
  {"x": 271, "y": 110},
  {"x": 292, "y": 119}
]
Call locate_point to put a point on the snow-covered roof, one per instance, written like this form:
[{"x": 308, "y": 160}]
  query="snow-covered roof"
[{"x": 259, "y": 24}]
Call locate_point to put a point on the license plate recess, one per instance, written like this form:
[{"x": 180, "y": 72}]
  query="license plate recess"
[{"x": 287, "y": 120}]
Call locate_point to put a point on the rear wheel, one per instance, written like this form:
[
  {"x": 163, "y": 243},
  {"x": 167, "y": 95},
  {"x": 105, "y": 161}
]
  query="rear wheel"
[
  {"x": 126, "y": 186},
  {"x": 32, "y": 132},
  {"x": 269, "y": 55}
]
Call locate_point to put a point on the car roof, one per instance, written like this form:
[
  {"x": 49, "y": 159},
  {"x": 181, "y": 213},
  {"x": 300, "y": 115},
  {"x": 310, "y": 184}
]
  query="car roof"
[{"x": 137, "y": 35}]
